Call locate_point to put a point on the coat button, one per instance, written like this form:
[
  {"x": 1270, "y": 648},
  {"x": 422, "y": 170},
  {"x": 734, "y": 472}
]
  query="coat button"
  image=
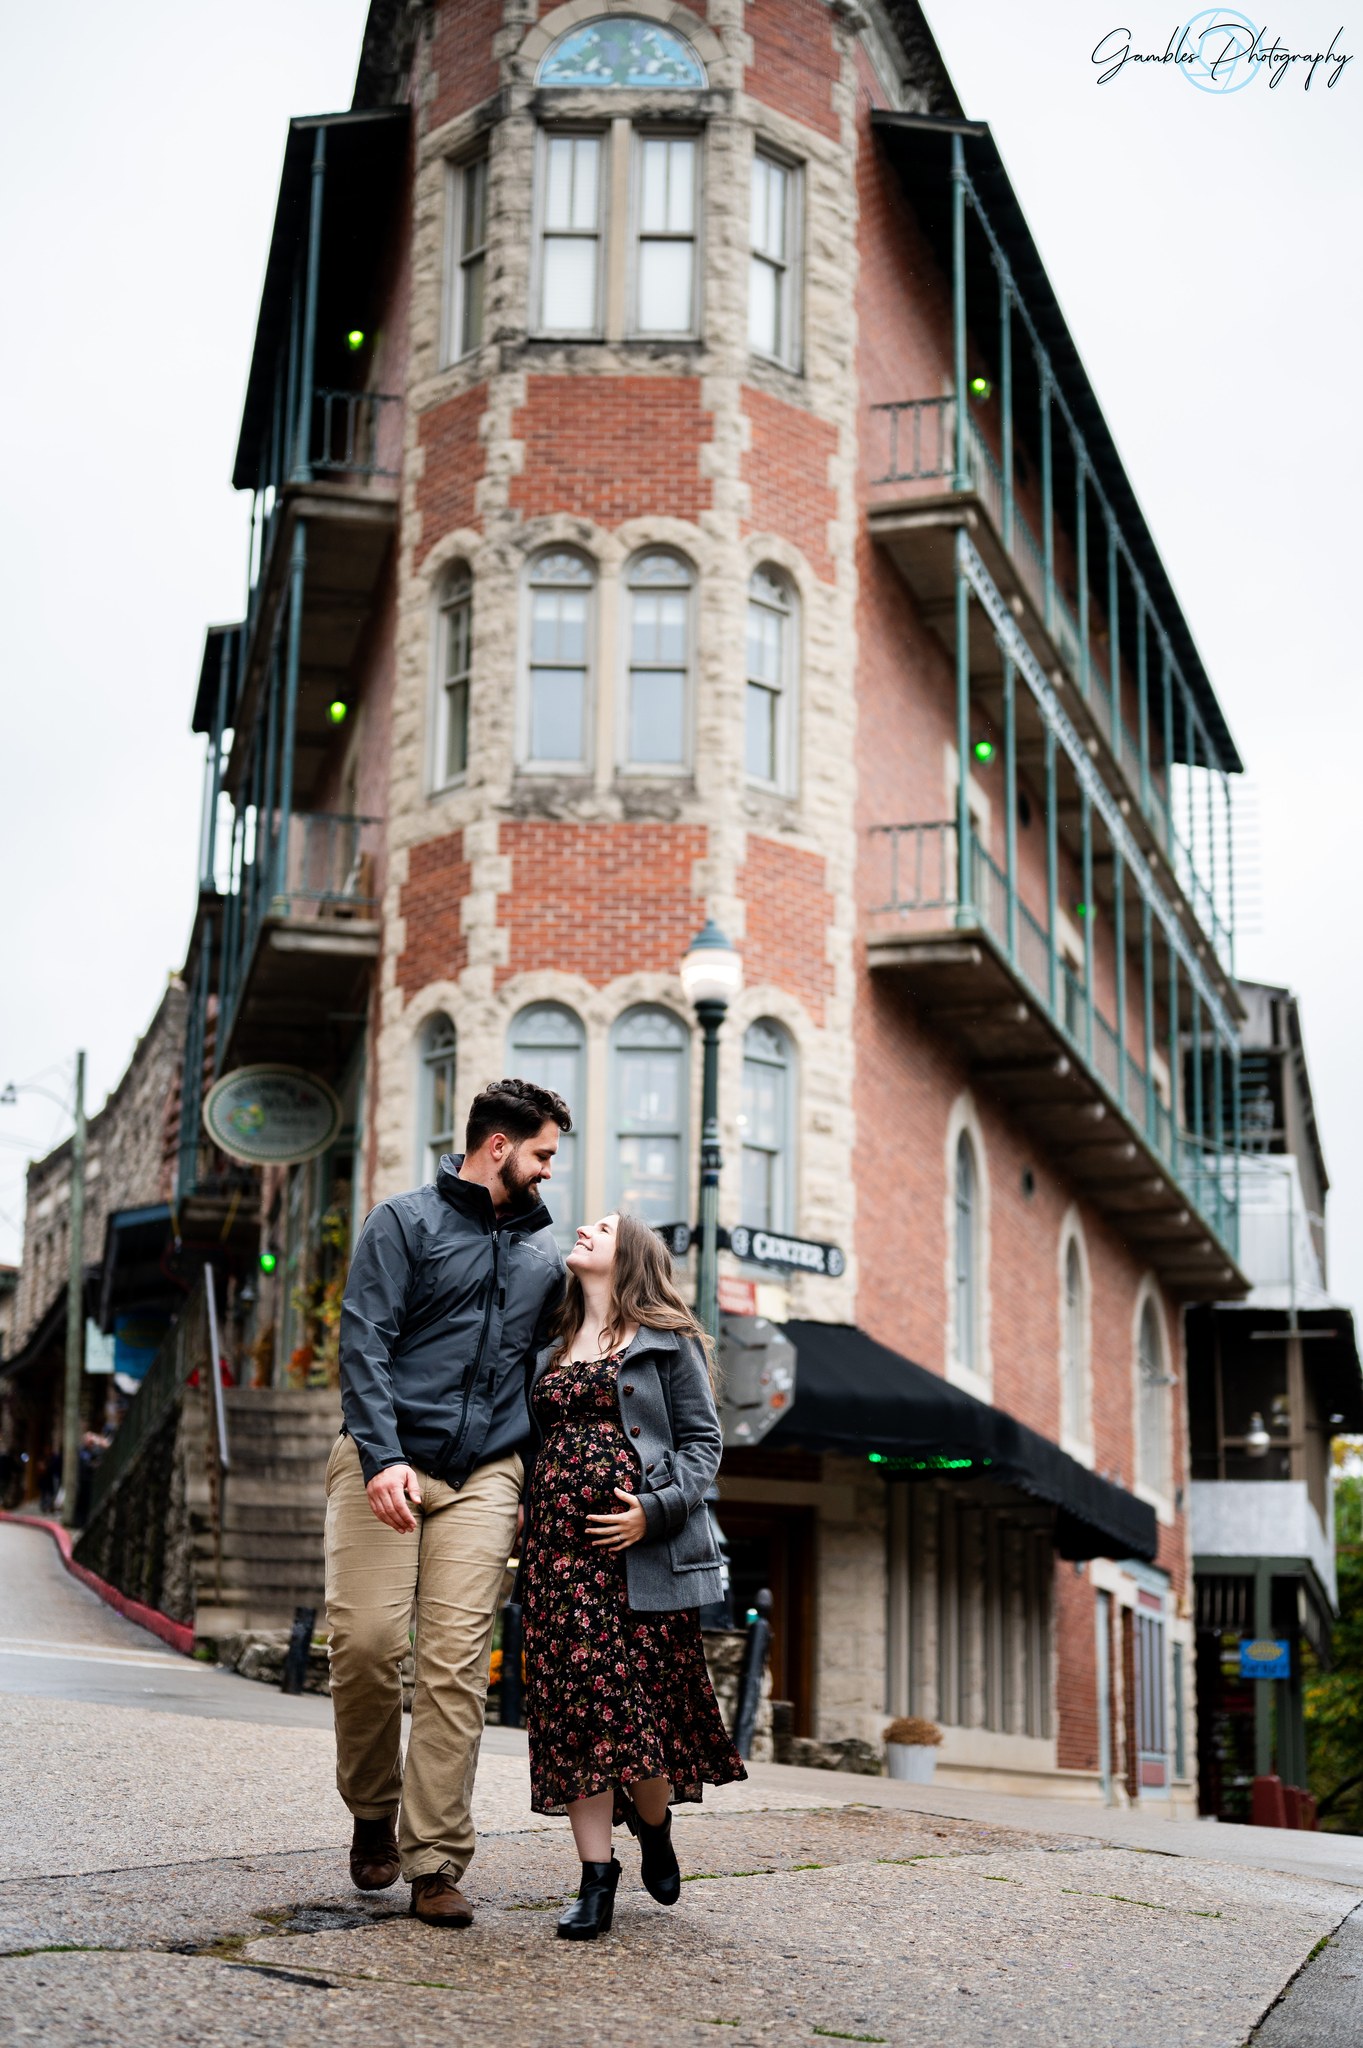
[
  {"x": 635, "y": 1430},
  {"x": 648, "y": 1468},
  {"x": 627, "y": 1390}
]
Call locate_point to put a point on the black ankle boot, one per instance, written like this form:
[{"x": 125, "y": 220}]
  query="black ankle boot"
[
  {"x": 657, "y": 1857},
  {"x": 590, "y": 1912}
]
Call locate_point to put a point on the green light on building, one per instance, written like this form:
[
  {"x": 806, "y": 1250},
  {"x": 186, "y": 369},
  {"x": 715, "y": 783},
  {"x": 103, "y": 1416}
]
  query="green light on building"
[
  {"x": 984, "y": 751},
  {"x": 355, "y": 339},
  {"x": 338, "y": 710},
  {"x": 268, "y": 1261},
  {"x": 980, "y": 387}
]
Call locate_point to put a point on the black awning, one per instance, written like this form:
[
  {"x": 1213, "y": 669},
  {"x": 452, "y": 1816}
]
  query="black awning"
[{"x": 855, "y": 1396}]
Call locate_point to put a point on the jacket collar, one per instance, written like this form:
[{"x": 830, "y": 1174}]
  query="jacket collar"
[
  {"x": 472, "y": 1199},
  {"x": 642, "y": 1344}
]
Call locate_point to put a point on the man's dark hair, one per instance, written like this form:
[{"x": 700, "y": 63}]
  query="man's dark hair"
[{"x": 518, "y": 1109}]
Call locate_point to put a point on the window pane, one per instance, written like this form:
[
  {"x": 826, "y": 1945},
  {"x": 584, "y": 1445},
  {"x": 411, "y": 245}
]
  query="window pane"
[
  {"x": 769, "y": 182},
  {"x": 757, "y": 1190},
  {"x": 665, "y": 287},
  {"x": 649, "y": 1178},
  {"x": 586, "y": 151},
  {"x": 472, "y": 322},
  {"x": 570, "y": 182},
  {"x": 765, "y": 629},
  {"x": 657, "y": 716},
  {"x": 456, "y": 730},
  {"x": 653, "y": 186},
  {"x": 475, "y": 206},
  {"x": 556, "y": 701},
  {"x": 760, "y": 739},
  {"x": 649, "y": 1090},
  {"x": 558, "y": 626},
  {"x": 570, "y": 284},
  {"x": 681, "y": 186},
  {"x": 457, "y": 640},
  {"x": 764, "y": 327},
  {"x": 659, "y": 628}
]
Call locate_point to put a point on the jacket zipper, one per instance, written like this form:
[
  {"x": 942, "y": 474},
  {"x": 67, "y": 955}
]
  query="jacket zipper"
[{"x": 471, "y": 1380}]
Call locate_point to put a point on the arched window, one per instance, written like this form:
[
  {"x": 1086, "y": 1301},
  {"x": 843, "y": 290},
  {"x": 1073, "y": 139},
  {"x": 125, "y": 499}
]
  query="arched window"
[
  {"x": 437, "y": 1090},
  {"x": 548, "y": 1044},
  {"x": 1152, "y": 1404},
  {"x": 768, "y": 1127},
  {"x": 621, "y": 51},
  {"x": 967, "y": 1256},
  {"x": 555, "y": 719},
  {"x": 454, "y": 652},
  {"x": 649, "y": 1065},
  {"x": 769, "y": 735},
  {"x": 1073, "y": 1345},
  {"x": 657, "y": 717}
]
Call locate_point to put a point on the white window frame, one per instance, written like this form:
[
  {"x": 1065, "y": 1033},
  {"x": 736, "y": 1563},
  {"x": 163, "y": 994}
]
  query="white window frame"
[
  {"x": 430, "y": 1057},
  {"x": 967, "y": 1282},
  {"x": 790, "y": 290},
  {"x": 787, "y": 695},
  {"x": 525, "y": 763},
  {"x": 1155, "y": 1490},
  {"x": 601, "y": 135},
  {"x": 455, "y": 590},
  {"x": 565, "y": 1190},
  {"x": 640, "y": 135},
  {"x": 784, "y": 1176},
  {"x": 1076, "y": 1431},
  {"x": 459, "y": 260},
  {"x": 614, "y": 1172},
  {"x": 656, "y": 770}
]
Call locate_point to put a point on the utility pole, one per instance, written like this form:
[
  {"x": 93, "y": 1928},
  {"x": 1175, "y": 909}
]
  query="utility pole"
[{"x": 75, "y": 1311}]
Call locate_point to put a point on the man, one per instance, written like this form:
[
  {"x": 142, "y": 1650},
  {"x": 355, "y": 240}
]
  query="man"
[{"x": 446, "y": 1300}]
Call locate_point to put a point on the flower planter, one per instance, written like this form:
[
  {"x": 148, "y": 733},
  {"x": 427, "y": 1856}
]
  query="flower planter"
[{"x": 914, "y": 1762}]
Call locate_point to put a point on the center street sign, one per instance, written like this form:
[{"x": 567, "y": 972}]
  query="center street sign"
[{"x": 796, "y": 1254}]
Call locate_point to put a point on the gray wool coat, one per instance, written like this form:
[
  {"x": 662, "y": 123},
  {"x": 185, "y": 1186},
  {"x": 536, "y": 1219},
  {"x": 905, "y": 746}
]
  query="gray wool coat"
[{"x": 670, "y": 1419}]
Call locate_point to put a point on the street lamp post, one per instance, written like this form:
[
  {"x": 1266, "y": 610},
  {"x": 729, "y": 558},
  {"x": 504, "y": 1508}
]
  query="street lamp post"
[{"x": 711, "y": 975}]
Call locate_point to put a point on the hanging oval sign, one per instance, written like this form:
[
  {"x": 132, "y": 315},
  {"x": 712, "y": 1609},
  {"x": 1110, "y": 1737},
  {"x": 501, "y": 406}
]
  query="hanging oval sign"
[{"x": 272, "y": 1116}]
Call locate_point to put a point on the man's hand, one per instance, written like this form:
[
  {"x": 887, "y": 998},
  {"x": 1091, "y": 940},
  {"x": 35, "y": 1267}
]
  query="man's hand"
[
  {"x": 389, "y": 1491},
  {"x": 618, "y": 1531}
]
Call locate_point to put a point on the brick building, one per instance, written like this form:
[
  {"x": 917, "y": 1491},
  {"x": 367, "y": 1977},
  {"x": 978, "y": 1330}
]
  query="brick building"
[{"x": 669, "y": 464}]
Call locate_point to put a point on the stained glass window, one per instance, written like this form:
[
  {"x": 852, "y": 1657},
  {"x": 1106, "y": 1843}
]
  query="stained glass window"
[{"x": 620, "y": 51}]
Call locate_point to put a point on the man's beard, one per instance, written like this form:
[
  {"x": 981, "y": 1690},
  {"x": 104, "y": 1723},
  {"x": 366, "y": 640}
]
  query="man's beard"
[{"x": 522, "y": 1185}]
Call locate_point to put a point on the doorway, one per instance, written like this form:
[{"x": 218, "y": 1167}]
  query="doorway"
[{"x": 774, "y": 1547}]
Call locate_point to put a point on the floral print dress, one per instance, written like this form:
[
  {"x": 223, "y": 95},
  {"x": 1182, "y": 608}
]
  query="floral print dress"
[{"x": 612, "y": 1696}]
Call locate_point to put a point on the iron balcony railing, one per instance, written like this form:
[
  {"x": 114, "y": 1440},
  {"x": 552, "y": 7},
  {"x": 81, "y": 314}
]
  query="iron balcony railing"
[
  {"x": 320, "y": 865},
  {"x": 184, "y": 1351},
  {"x": 923, "y": 875},
  {"x": 354, "y": 437},
  {"x": 920, "y": 448}
]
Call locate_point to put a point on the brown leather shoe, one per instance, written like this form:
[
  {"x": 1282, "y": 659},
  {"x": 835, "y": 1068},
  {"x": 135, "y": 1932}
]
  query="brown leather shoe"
[
  {"x": 374, "y": 1861},
  {"x": 438, "y": 1901}
]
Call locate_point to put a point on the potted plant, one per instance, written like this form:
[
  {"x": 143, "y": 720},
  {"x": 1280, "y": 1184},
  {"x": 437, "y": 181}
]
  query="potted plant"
[{"x": 911, "y": 1746}]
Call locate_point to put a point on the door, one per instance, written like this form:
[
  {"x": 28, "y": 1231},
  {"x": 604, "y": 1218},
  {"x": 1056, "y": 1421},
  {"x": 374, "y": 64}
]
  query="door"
[{"x": 774, "y": 1547}]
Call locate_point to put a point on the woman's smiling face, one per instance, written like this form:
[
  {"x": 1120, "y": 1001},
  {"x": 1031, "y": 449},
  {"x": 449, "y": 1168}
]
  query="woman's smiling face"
[{"x": 594, "y": 1251}]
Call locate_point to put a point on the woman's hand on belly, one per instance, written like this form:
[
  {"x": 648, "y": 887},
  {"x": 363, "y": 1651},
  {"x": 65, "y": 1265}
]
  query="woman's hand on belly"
[{"x": 617, "y": 1531}]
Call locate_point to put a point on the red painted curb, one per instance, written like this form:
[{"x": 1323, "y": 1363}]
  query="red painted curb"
[{"x": 177, "y": 1633}]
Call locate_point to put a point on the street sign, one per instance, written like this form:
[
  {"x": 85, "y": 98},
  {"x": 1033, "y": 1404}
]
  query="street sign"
[
  {"x": 737, "y": 1297},
  {"x": 756, "y": 1377},
  {"x": 795, "y": 1254},
  {"x": 269, "y": 1115},
  {"x": 1265, "y": 1658},
  {"x": 676, "y": 1236}
]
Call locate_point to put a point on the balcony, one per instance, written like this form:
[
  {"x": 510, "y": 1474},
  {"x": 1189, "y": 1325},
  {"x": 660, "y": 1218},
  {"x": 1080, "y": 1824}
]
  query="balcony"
[
  {"x": 1237, "y": 1522},
  {"x": 983, "y": 967},
  {"x": 298, "y": 937},
  {"x": 1018, "y": 459}
]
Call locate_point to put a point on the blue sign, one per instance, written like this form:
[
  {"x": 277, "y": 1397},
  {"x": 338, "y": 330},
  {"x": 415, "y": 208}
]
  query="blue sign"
[{"x": 1264, "y": 1658}]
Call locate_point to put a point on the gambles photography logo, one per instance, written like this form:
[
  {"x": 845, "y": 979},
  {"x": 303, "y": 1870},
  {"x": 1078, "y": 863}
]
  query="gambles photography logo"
[{"x": 1221, "y": 51}]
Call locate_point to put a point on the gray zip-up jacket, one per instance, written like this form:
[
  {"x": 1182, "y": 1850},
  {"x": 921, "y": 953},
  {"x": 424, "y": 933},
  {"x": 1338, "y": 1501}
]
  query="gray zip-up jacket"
[
  {"x": 670, "y": 1419},
  {"x": 445, "y": 1306}
]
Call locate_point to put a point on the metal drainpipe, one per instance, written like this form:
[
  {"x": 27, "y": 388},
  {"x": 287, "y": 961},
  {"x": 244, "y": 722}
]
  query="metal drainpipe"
[{"x": 964, "y": 865}]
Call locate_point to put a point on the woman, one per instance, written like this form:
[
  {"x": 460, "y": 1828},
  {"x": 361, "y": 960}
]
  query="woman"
[{"x": 619, "y": 1558}]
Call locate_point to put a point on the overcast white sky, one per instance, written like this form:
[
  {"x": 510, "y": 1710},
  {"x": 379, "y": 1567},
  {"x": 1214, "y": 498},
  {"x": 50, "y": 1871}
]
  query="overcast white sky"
[{"x": 1204, "y": 250}]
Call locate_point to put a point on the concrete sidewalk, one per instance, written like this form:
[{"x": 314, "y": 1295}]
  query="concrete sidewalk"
[{"x": 180, "y": 1873}]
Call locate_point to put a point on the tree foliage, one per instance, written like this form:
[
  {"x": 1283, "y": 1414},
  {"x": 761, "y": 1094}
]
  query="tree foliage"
[{"x": 1334, "y": 1698}]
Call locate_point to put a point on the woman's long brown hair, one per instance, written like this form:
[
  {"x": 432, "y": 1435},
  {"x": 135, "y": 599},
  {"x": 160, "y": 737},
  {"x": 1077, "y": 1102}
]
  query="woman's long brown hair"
[{"x": 643, "y": 1292}]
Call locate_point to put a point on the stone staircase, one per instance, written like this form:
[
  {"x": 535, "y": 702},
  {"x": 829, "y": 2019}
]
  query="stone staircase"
[{"x": 278, "y": 1441}]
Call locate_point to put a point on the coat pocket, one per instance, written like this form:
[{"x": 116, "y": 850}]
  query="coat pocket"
[{"x": 693, "y": 1549}]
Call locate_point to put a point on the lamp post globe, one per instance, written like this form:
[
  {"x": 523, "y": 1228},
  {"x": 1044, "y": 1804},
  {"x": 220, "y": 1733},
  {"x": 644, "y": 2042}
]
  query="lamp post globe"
[{"x": 711, "y": 975}]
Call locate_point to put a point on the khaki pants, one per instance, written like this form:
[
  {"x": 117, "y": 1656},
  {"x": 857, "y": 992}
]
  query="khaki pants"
[{"x": 451, "y": 1567}]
